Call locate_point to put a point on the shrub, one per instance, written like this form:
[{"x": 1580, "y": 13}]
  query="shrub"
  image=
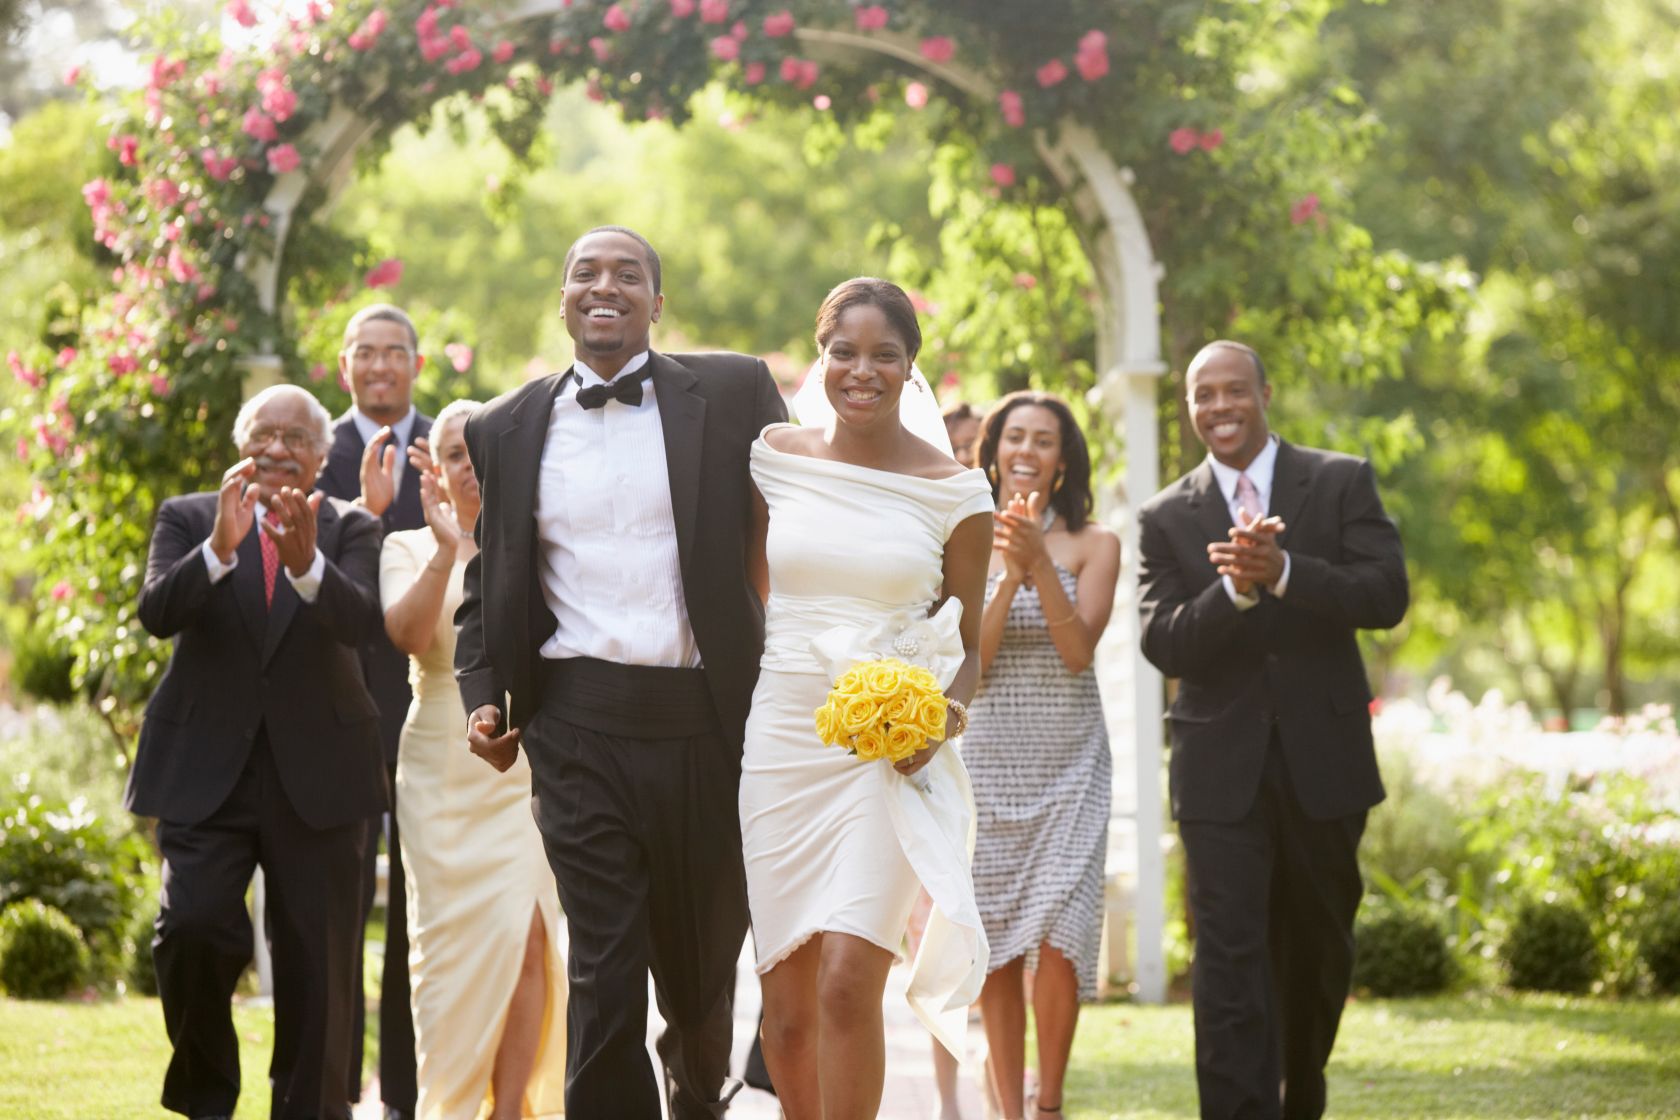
[
  {"x": 142, "y": 973},
  {"x": 1551, "y": 948},
  {"x": 1659, "y": 946},
  {"x": 1401, "y": 951},
  {"x": 78, "y": 864},
  {"x": 42, "y": 954}
]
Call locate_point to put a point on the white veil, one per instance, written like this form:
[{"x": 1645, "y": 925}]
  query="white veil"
[{"x": 918, "y": 409}]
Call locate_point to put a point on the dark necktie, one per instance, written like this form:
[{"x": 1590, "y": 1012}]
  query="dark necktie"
[{"x": 625, "y": 389}]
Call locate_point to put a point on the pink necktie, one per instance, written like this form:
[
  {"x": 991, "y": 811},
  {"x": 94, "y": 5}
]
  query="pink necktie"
[
  {"x": 1248, "y": 498},
  {"x": 270, "y": 557}
]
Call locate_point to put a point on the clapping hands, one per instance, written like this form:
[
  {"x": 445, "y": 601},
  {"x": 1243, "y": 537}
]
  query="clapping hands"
[
  {"x": 1251, "y": 556},
  {"x": 1018, "y": 535}
]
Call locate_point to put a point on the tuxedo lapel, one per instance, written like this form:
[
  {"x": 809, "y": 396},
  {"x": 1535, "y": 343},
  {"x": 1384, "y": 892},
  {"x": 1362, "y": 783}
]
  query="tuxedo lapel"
[
  {"x": 682, "y": 415},
  {"x": 286, "y": 601},
  {"x": 1291, "y": 482},
  {"x": 519, "y": 451},
  {"x": 247, "y": 580},
  {"x": 1207, "y": 504}
]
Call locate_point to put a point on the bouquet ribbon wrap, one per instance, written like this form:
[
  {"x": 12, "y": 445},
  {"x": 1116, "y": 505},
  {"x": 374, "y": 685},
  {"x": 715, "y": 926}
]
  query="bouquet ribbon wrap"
[{"x": 935, "y": 828}]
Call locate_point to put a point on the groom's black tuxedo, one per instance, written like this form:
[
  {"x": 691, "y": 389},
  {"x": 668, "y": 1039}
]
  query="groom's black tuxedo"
[
  {"x": 635, "y": 768},
  {"x": 1272, "y": 763},
  {"x": 713, "y": 406}
]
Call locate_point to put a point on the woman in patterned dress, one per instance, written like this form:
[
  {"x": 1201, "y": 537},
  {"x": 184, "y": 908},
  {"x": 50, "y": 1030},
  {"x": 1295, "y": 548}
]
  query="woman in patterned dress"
[{"x": 1037, "y": 748}]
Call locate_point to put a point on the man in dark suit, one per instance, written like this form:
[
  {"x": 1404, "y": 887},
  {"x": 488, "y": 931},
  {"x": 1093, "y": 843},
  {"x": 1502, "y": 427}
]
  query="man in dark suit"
[
  {"x": 611, "y": 625},
  {"x": 1258, "y": 567},
  {"x": 261, "y": 747},
  {"x": 372, "y": 464}
]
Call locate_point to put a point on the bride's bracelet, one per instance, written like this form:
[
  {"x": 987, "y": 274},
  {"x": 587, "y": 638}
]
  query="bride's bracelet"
[{"x": 960, "y": 711}]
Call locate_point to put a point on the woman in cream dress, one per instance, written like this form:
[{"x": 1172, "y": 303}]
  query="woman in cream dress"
[
  {"x": 489, "y": 993},
  {"x": 868, "y": 525}
]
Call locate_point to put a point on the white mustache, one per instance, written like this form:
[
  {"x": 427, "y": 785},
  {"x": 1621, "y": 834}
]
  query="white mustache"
[{"x": 267, "y": 463}]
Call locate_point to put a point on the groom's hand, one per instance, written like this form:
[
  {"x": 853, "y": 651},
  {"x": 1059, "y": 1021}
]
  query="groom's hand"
[{"x": 499, "y": 751}]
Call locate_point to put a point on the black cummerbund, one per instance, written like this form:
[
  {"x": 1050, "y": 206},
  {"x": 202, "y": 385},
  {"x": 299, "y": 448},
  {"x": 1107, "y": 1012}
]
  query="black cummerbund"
[{"x": 635, "y": 701}]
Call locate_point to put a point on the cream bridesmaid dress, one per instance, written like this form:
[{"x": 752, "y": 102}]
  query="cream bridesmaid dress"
[{"x": 476, "y": 872}]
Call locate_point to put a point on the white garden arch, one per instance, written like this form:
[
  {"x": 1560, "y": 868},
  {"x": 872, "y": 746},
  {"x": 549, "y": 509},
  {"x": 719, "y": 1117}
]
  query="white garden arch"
[{"x": 1129, "y": 364}]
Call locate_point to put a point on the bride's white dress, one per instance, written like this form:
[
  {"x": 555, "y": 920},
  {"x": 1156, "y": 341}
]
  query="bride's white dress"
[{"x": 833, "y": 843}]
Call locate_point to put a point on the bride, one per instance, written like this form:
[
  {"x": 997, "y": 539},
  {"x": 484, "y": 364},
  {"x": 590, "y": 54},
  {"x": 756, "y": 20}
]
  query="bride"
[{"x": 871, "y": 527}]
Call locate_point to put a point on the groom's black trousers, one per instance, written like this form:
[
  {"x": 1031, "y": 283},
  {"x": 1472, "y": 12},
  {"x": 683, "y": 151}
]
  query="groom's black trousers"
[
  {"x": 1273, "y": 895},
  {"x": 636, "y": 796}
]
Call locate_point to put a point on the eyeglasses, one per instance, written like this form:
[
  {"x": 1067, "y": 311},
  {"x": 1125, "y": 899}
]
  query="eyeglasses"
[
  {"x": 372, "y": 355},
  {"x": 295, "y": 439}
]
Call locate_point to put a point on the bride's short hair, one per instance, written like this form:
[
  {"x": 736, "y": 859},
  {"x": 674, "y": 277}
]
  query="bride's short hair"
[{"x": 889, "y": 297}]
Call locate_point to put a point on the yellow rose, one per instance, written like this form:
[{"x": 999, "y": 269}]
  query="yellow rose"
[
  {"x": 857, "y": 714},
  {"x": 870, "y": 744},
  {"x": 849, "y": 684},
  {"x": 901, "y": 708},
  {"x": 828, "y": 723},
  {"x": 882, "y": 678},
  {"x": 904, "y": 740},
  {"x": 930, "y": 716},
  {"x": 922, "y": 680}
]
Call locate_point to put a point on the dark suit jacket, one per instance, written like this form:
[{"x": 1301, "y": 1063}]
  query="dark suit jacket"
[
  {"x": 239, "y": 665},
  {"x": 386, "y": 666},
  {"x": 1291, "y": 662},
  {"x": 712, "y": 407}
]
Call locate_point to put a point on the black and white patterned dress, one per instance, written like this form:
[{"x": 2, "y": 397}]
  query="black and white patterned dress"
[{"x": 1037, "y": 753}]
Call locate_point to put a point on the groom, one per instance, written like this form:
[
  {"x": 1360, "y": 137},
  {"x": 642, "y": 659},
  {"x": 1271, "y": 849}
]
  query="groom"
[{"x": 610, "y": 625}]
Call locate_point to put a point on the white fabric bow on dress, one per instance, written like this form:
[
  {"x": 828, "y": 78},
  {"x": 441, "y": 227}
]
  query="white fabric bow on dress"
[{"x": 935, "y": 825}]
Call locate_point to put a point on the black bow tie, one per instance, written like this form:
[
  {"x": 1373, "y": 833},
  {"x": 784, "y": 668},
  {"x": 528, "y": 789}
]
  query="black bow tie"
[{"x": 625, "y": 389}]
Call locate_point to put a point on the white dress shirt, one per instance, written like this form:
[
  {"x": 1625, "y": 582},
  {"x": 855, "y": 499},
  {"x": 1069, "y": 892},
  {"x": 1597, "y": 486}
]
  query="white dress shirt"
[
  {"x": 608, "y": 539},
  {"x": 400, "y": 432},
  {"x": 1259, "y": 472},
  {"x": 307, "y": 586}
]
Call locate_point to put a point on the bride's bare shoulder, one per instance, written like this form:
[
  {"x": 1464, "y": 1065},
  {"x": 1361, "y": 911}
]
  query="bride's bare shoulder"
[
  {"x": 790, "y": 438},
  {"x": 928, "y": 461}
]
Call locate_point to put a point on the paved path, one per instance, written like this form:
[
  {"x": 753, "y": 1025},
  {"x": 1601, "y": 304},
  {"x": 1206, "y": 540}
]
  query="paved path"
[{"x": 909, "y": 1091}]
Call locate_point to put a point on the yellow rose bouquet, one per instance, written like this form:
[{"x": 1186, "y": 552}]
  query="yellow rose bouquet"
[{"x": 883, "y": 709}]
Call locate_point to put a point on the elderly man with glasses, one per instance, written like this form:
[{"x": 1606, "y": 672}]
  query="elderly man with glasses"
[{"x": 261, "y": 747}]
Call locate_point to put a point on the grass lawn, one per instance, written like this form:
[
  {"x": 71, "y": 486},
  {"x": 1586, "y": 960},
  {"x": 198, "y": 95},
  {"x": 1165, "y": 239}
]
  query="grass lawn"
[{"x": 1460, "y": 1057}]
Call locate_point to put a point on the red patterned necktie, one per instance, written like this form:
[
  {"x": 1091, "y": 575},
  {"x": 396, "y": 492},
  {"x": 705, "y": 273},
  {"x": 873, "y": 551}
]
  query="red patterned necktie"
[
  {"x": 271, "y": 558},
  {"x": 1248, "y": 498}
]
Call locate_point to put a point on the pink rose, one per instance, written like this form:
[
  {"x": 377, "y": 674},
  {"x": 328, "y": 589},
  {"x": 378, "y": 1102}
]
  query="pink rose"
[
  {"x": 240, "y": 12},
  {"x": 1026, "y": 281},
  {"x": 1183, "y": 140},
  {"x": 66, "y": 356},
  {"x": 280, "y": 102},
  {"x": 181, "y": 270},
  {"x": 753, "y": 73},
  {"x": 72, "y": 75},
  {"x": 616, "y": 20},
  {"x": 468, "y": 59},
  {"x": 426, "y": 25},
  {"x": 714, "y": 11},
  {"x": 283, "y": 159},
  {"x": 1052, "y": 73},
  {"x": 22, "y": 373},
  {"x": 1303, "y": 210},
  {"x": 387, "y": 273},
  {"x": 740, "y": 30},
  {"x": 160, "y": 385},
  {"x": 1009, "y": 104},
  {"x": 1091, "y": 57},
  {"x": 822, "y": 102},
  {"x": 434, "y": 48},
  {"x": 602, "y": 49},
  {"x": 504, "y": 51},
  {"x": 1003, "y": 175},
  {"x": 682, "y": 9},
  {"x": 916, "y": 95},
  {"x": 96, "y": 193},
  {"x": 460, "y": 356},
  {"x": 801, "y": 72},
  {"x": 260, "y": 126},
  {"x": 872, "y": 18},
  {"x": 1210, "y": 141},
  {"x": 61, "y": 590},
  {"x": 726, "y": 48},
  {"x": 218, "y": 167},
  {"x": 938, "y": 48},
  {"x": 779, "y": 24}
]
